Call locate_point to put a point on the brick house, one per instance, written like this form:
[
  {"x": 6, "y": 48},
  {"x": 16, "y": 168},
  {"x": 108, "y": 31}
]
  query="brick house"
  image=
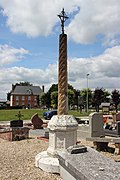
[{"x": 25, "y": 96}]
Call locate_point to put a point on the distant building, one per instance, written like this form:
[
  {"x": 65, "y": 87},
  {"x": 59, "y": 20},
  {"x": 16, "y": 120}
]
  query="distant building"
[
  {"x": 105, "y": 107},
  {"x": 25, "y": 96},
  {"x": 3, "y": 103}
]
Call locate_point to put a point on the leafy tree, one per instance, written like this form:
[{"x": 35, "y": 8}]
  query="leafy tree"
[
  {"x": 8, "y": 96},
  {"x": 70, "y": 87},
  {"x": 100, "y": 95},
  {"x": 54, "y": 99},
  {"x": 53, "y": 94},
  {"x": 48, "y": 100},
  {"x": 71, "y": 96},
  {"x": 23, "y": 84},
  {"x": 116, "y": 98},
  {"x": 83, "y": 95},
  {"x": 43, "y": 99},
  {"x": 54, "y": 87},
  {"x": 76, "y": 97}
]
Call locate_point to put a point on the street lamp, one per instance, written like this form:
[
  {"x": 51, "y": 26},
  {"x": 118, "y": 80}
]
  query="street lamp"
[{"x": 87, "y": 94}]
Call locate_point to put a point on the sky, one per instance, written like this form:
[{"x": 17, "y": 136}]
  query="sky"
[{"x": 29, "y": 43}]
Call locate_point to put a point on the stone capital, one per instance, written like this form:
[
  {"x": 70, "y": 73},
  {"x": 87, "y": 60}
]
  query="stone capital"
[{"x": 62, "y": 122}]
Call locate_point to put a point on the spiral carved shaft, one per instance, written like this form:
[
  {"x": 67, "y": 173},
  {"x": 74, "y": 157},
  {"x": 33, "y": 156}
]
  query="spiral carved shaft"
[{"x": 62, "y": 76}]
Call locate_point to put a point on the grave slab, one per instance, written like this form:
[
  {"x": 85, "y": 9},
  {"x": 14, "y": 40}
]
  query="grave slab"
[{"x": 90, "y": 165}]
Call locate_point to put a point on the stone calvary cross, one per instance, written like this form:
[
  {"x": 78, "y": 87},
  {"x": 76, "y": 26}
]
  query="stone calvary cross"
[
  {"x": 62, "y": 127},
  {"x": 63, "y": 18},
  {"x": 62, "y": 69}
]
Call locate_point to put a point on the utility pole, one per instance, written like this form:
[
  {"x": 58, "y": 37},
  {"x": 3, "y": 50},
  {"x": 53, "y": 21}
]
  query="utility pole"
[{"x": 87, "y": 100}]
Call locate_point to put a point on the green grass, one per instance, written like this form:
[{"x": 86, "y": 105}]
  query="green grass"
[
  {"x": 78, "y": 114},
  {"x": 7, "y": 115}
]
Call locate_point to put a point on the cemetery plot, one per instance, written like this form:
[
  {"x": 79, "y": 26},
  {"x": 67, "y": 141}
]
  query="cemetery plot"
[
  {"x": 112, "y": 125},
  {"x": 90, "y": 165},
  {"x": 101, "y": 143},
  {"x": 14, "y": 134}
]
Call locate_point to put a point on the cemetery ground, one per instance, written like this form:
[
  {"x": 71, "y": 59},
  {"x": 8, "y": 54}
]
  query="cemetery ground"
[{"x": 17, "y": 159}]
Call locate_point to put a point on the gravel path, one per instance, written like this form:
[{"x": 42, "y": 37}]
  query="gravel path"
[{"x": 17, "y": 160}]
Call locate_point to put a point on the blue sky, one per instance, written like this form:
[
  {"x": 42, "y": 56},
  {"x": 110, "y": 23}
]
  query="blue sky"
[{"x": 29, "y": 38}]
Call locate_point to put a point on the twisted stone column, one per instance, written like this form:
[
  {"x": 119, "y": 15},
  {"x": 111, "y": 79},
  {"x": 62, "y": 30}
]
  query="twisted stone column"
[{"x": 62, "y": 76}]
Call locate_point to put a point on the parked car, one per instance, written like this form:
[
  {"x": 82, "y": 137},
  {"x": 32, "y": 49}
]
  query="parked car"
[{"x": 48, "y": 114}]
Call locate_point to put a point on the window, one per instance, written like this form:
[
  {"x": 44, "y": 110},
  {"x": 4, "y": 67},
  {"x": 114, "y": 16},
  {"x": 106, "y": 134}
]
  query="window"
[
  {"x": 17, "y": 98},
  {"x": 23, "y": 98},
  {"x": 29, "y": 98},
  {"x": 17, "y": 103},
  {"x": 35, "y": 98},
  {"x": 35, "y": 104}
]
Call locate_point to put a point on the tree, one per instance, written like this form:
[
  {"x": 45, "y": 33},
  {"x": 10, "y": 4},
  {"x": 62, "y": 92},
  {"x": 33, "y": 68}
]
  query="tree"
[
  {"x": 23, "y": 84},
  {"x": 100, "y": 95},
  {"x": 115, "y": 98},
  {"x": 76, "y": 98},
  {"x": 54, "y": 99},
  {"x": 71, "y": 96},
  {"x": 8, "y": 96},
  {"x": 48, "y": 100},
  {"x": 54, "y": 87},
  {"x": 43, "y": 99},
  {"x": 83, "y": 95}
]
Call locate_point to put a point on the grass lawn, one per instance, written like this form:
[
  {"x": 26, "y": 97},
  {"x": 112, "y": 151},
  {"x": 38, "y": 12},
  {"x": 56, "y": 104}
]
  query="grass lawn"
[{"x": 7, "y": 115}]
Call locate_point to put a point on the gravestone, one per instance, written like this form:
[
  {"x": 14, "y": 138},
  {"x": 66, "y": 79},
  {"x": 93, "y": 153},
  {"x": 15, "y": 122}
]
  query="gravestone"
[
  {"x": 118, "y": 128},
  {"x": 16, "y": 123},
  {"x": 94, "y": 128},
  {"x": 36, "y": 121},
  {"x": 96, "y": 125},
  {"x": 118, "y": 117}
]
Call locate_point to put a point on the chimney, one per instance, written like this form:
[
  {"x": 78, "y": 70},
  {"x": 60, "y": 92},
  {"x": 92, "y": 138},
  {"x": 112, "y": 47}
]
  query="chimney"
[{"x": 43, "y": 88}]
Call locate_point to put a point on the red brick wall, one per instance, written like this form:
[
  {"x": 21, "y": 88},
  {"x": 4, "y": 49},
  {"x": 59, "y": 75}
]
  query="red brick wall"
[
  {"x": 6, "y": 135},
  {"x": 33, "y": 103}
]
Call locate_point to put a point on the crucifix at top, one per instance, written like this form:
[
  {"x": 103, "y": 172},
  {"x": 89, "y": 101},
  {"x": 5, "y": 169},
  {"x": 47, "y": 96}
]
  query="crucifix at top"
[{"x": 63, "y": 18}]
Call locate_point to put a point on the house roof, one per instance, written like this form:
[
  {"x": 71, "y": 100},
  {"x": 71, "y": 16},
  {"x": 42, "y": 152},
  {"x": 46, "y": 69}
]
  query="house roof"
[
  {"x": 26, "y": 90},
  {"x": 105, "y": 104}
]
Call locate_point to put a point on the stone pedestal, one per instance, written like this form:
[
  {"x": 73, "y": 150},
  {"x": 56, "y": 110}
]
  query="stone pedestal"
[{"x": 62, "y": 134}]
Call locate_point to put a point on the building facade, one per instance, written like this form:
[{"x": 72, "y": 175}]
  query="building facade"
[{"x": 25, "y": 96}]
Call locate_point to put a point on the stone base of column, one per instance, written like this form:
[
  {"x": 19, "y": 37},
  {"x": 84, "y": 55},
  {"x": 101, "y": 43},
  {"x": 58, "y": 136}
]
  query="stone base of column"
[
  {"x": 62, "y": 134},
  {"x": 47, "y": 163}
]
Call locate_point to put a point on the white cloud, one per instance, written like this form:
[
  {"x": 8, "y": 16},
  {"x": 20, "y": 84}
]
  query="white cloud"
[
  {"x": 94, "y": 20},
  {"x": 9, "y": 54},
  {"x": 34, "y": 17},
  {"x": 103, "y": 69},
  {"x": 9, "y": 76}
]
